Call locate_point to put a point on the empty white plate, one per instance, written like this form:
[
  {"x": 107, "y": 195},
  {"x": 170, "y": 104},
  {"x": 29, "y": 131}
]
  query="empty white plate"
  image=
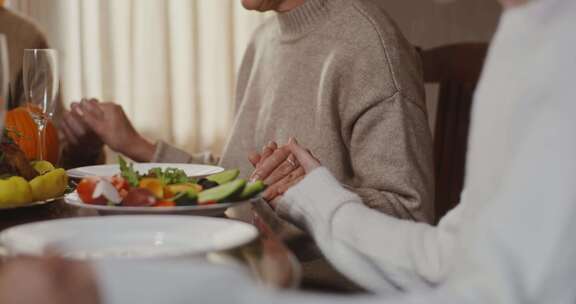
[
  {"x": 122, "y": 237},
  {"x": 191, "y": 170}
]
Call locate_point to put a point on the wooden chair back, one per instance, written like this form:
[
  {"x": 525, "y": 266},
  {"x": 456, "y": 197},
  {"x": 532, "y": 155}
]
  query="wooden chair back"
[{"x": 456, "y": 68}]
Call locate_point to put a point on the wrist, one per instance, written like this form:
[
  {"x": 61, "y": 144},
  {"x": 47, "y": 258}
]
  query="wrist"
[{"x": 140, "y": 150}]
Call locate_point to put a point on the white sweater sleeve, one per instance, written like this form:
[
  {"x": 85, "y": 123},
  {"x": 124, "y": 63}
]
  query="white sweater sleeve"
[{"x": 379, "y": 252}]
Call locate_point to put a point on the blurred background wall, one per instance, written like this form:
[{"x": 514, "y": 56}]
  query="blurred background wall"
[
  {"x": 172, "y": 63},
  {"x": 433, "y": 23}
]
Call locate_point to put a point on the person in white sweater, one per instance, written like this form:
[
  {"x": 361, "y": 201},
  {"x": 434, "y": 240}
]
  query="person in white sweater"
[
  {"x": 510, "y": 241},
  {"x": 512, "y": 234}
]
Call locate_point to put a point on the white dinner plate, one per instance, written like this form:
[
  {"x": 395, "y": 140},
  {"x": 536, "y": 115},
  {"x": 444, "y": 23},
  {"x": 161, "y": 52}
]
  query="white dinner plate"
[
  {"x": 205, "y": 210},
  {"x": 128, "y": 237},
  {"x": 192, "y": 170}
]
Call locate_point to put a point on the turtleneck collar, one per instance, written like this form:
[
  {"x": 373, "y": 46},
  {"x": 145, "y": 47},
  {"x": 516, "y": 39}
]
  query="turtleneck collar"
[{"x": 303, "y": 18}]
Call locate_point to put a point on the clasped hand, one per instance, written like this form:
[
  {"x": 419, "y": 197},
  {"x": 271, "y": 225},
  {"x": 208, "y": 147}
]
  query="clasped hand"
[
  {"x": 91, "y": 121},
  {"x": 281, "y": 168}
]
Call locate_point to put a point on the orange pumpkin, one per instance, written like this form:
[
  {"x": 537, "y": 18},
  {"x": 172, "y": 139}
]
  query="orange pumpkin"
[{"x": 25, "y": 133}]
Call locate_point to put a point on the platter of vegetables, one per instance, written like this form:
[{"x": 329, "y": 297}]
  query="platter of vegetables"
[
  {"x": 163, "y": 190},
  {"x": 25, "y": 183}
]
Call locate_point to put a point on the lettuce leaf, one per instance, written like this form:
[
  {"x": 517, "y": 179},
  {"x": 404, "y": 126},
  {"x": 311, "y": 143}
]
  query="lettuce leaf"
[
  {"x": 128, "y": 173},
  {"x": 170, "y": 176}
]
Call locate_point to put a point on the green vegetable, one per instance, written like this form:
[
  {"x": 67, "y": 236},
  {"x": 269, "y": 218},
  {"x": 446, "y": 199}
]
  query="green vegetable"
[
  {"x": 251, "y": 190},
  {"x": 188, "y": 198},
  {"x": 128, "y": 173},
  {"x": 221, "y": 193},
  {"x": 224, "y": 177},
  {"x": 170, "y": 176}
]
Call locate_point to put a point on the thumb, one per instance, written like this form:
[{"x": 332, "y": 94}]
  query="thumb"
[{"x": 306, "y": 160}]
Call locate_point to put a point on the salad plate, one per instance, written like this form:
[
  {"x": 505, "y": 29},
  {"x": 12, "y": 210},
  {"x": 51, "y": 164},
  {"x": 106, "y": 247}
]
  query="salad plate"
[
  {"x": 208, "y": 210},
  {"x": 163, "y": 190},
  {"x": 127, "y": 237},
  {"x": 191, "y": 170}
]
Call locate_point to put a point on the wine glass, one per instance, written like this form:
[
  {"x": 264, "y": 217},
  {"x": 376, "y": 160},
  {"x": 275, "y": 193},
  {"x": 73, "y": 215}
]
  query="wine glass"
[
  {"x": 41, "y": 84},
  {"x": 4, "y": 81}
]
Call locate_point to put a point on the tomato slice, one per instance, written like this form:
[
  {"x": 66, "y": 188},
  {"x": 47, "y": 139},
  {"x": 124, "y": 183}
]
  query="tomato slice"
[
  {"x": 165, "y": 204},
  {"x": 85, "y": 190},
  {"x": 120, "y": 183}
]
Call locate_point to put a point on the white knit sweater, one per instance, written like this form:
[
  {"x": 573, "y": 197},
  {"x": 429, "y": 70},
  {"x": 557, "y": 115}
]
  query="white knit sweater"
[
  {"x": 512, "y": 240},
  {"x": 518, "y": 212}
]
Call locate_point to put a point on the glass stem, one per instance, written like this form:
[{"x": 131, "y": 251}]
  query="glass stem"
[{"x": 41, "y": 140}]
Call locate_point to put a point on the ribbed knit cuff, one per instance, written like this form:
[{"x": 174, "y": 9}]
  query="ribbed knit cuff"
[
  {"x": 314, "y": 200},
  {"x": 166, "y": 153}
]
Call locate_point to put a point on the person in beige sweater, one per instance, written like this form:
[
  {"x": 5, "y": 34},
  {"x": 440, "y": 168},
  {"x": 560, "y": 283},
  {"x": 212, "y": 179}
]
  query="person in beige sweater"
[{"x": 339, "y": 76}]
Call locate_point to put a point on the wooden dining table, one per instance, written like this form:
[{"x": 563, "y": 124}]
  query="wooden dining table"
[{"x": 268, "y": 258}]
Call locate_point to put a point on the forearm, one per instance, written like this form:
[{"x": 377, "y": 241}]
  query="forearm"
[
  {"x": 140, "y": 149},
  {"x": 380, "y": 253}
]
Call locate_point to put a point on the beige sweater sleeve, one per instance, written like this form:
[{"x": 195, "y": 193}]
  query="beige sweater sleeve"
[
  {"x": 166, "y": 153},
  {"x": 389, "y": 150}
]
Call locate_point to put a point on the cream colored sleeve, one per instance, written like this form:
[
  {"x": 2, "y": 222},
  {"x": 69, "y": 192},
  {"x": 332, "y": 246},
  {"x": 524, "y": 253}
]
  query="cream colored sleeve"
[
  {"x": 166, "y": 153},
  {"x": 379, "y": 252}
]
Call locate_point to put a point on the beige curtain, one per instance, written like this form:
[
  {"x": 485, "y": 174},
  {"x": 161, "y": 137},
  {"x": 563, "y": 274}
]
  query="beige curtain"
[{"x": 170, "y": 63}]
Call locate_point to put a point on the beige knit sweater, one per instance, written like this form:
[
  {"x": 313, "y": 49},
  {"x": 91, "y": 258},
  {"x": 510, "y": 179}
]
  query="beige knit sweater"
[{"x": 340, "y": 77}]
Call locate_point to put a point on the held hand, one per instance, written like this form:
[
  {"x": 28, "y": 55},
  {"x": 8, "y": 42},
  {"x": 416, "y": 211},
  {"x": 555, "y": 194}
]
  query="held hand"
[
  {"x": 273, "y": 165},
  {"x": 81, "y": 142},
  {"x": 306, "y": 164},
  {"x": 109, "y": 121},
  {"x": 280, "y": 168},
  {"x": 304, "y": 156},
  {"x": 258, "y": 158}
]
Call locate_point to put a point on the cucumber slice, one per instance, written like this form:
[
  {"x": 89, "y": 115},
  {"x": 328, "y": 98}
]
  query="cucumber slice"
[
  {"x": 224, "y": 177},
  {"x": 221, "y": 193},
  {"x": 189, "y": 198},
  {"x": 251, "y": 190}
]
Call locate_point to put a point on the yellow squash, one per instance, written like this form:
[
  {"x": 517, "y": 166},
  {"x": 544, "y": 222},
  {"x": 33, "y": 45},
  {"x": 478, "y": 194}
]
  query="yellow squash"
[
  {"x": 42, "y": 166},
  {"x": 15, "y": 192},
  {"x": 50, "y": 185}
]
